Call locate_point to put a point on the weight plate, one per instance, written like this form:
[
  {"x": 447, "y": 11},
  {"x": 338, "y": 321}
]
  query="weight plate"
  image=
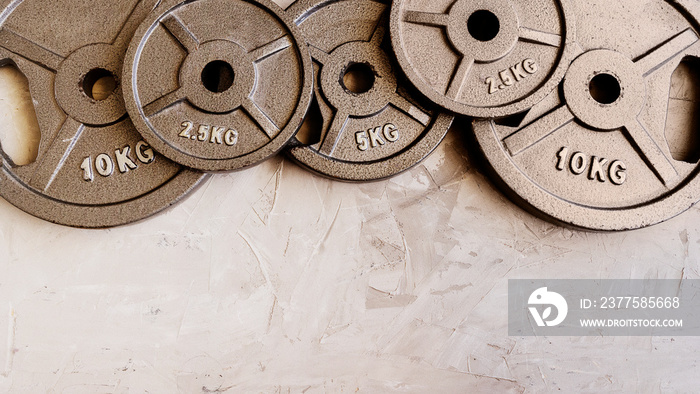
[
  {"x": 218, "y": 85},
  {"x": 93, "y": 169},
  {"x": 484, "y": 58},
  {"x": 368, "y": 132},
  {"x": 595, "y": 155}
]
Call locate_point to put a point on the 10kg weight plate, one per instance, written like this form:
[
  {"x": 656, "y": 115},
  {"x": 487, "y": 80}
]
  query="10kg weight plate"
[
  {"x": 484, "y": 58},
  {"x": 93, "y": 169},
  {"x": 218, "y": 85},
  {"x": 595, "y": 155},
  {"x": 373, "y": 130}
]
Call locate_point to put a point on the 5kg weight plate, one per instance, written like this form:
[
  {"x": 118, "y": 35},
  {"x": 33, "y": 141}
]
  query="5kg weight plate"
[
  {"x": 93, "y": 169},
  {"x": 484, "y": 58},
  {"x": 596, "y": 155},
  {"x": 373, "y": 129},
  {"x": 218, "y": 85}
]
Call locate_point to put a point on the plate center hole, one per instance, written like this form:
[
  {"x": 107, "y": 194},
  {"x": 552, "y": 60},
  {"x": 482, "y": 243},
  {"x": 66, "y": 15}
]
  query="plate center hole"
[
  {"x": 99, "y": 84},
  {"x": 484, "y": 25},
  {"x": 217, "y": 76},
  {"x": 359, "y": 78},
  {"x": 605, "y": 88}
]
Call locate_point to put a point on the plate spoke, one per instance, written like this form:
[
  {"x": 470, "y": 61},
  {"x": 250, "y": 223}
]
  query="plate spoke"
[
  {"x": 56, "y": 154},
  {"x": 530, "y": 135},
  {"x": 29, "y": 50},
  {"x": 411, "y": 110},
  {"x": 426, "y": 18},
  {"x": 160, "y": 104},
  {"x": 181, "y": 33},
  {"x": 268, "y": 126},
  {"x": 271, "y": 48},
  {"x": 667, "y": 52},
  {"x": 333, "y": 134},
  {"x": 540, "y": 37},
  {"x": 318, "y": 54},
  {"x": 649, "y": 150},
  {"x": 459, "y": 78}
]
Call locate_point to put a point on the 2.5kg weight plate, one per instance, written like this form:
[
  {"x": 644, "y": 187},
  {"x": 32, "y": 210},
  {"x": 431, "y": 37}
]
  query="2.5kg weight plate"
[
  {"x": 218, "y": 85},
  {"x": 93, "y": 169},
  {"x": 371, "y": 130},
  {"x": 596, "y": 154},
  {"x": 484, "y": 58}
]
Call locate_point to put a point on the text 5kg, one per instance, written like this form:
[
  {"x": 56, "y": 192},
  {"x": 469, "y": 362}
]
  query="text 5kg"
[{"x": 376, "y": 137}]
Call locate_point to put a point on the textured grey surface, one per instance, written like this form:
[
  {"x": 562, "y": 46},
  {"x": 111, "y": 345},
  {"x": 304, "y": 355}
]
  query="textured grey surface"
[
  {"x": 92, "y": 169},
  {"x": 246, "y": 122},
  {"x": 275, "y": 280}
]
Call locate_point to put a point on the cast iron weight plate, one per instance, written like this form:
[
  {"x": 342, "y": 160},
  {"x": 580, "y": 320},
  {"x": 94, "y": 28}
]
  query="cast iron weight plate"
[
  {"x": 596, "y": 156},
  {"x": 484, "y": 58},
  {"x": 93, "y": 169},
  {"x": 218, "y": 85},
  {"x": 370, "y": 133}
]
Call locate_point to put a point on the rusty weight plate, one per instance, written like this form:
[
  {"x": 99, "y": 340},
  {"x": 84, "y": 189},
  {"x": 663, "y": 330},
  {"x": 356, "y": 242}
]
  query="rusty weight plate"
[
  {"x": 369, "y": 131},
  {"x": 484, "y": 58},
  {"x": 218, "y": 85},
  {"x": 93, "y": 169},
  {"x": 595, "y": 154}
]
